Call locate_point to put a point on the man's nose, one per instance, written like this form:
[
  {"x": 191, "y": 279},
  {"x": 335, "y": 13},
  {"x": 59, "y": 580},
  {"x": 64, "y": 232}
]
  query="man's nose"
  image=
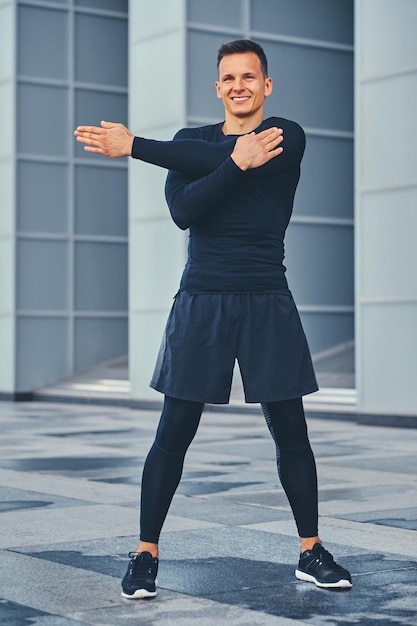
[{"x": 238, "y": 86}]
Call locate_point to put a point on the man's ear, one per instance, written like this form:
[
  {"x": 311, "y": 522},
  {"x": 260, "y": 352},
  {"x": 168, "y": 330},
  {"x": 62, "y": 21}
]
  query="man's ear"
[
  {"x": 218, "y": 89},
  {"x": 268, "y": 86}
]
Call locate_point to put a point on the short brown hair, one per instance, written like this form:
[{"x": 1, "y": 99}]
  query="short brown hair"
[{"x": 243, "y": 45}]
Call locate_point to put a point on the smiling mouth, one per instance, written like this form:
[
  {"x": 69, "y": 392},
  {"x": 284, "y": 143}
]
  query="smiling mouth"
[{"x": 240, "y": 99}]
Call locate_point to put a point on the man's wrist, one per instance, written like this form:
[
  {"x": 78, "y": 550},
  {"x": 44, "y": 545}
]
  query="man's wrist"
[{"x": 240, "y": 164}]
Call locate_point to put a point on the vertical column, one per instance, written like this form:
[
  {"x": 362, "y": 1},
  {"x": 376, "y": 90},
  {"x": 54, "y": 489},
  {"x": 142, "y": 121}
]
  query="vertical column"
[
  {"x": 386, "y": 199},
  {"x": 7, "y": 197},
  {"x": 156, "y": 247}
]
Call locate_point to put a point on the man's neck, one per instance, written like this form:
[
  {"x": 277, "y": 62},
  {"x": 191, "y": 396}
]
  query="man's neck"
[{"x": 241, "y": 125}]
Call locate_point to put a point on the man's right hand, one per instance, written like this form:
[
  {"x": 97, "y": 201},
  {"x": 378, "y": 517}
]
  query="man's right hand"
[
  {"x": 254, "y": 150},
  {"x": 111, "y": 140}
]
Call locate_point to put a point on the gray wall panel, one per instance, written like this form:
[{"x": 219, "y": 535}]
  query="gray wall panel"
[
  {"x": 42, "y": 31},
  {"x": 42, "y": 203},
  {"x": 320, "y": 261},
  {"x": 326, "y": 330},
  {"x": 92, "y": 106},
  {"x": 42, "y": 270},
  {"x": 326, "y": 20},
  {"x": 43, "y": 120},
  {"x": 100, "y": 276},
  {"x": 106, "y": 5},
  {"x": 98, "y": 340},
  {"x": 326, "y": 183},
  {"x": 311, "y": 85},
  {"x": 101, "y": 51},
  {"x": 71, "y": 216},
  {"x": 216, "y": 12},
  {"x": 100, "y": 201},
  {"x": 42, "y": 352}
]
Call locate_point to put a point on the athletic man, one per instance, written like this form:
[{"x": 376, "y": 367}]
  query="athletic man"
[{"x": 232, "y": 185}]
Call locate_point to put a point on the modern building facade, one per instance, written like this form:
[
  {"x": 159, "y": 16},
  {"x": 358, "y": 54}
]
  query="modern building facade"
[{"x": 71, "y": 286}]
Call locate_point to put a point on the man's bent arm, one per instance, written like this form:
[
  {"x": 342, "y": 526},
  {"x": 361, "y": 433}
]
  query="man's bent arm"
[{"x": 189, "y": 200}]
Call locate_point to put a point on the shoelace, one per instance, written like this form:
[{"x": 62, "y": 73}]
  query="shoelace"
[{"x": 139, "y": 566}]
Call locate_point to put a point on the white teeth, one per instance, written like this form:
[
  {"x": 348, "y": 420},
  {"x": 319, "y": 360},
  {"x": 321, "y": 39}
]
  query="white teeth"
[{"x": 241, "y": 99}]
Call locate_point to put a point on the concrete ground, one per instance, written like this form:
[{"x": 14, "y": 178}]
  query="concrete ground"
[{"x": 69, "y": 485}]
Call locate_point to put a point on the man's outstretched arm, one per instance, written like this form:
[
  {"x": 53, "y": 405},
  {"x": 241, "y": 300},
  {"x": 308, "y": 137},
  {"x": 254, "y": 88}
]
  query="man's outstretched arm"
[{"x": 186, "y": 153}]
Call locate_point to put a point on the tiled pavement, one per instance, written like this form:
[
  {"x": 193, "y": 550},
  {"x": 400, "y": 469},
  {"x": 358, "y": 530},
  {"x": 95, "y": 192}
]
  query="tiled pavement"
[{"x": 69, "y": 483}]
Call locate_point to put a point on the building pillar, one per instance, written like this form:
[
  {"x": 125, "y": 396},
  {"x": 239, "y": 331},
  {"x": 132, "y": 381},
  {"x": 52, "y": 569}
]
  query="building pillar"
[
  {"x": 386, "y": 201},
  {"x": 157, "y": 249}
]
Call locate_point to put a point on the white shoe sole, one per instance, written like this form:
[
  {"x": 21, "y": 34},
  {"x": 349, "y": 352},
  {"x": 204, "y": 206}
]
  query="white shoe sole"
[
  {"x": 139, "y": 594},
  {"x": 341, "y": 584}
]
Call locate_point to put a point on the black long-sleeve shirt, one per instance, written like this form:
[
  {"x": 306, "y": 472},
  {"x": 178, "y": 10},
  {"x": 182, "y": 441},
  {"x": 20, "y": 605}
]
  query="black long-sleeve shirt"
[{"x": 237, "y": 219}]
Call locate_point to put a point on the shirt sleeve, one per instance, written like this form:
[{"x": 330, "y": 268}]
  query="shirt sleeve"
[
  {"x": 186, "y": 153},
  {"x": 191, "y": 199},
  {"x": 293, "y": 145}
]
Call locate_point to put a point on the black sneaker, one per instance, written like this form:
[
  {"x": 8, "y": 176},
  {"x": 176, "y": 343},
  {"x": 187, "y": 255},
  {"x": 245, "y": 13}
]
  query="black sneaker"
[
  {"x": 318, "y": 566},
  {"x": 140, "y": 578}
]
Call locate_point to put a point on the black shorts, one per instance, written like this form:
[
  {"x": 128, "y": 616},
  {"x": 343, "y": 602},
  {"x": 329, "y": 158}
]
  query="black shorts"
[{"x": 206, "y": 333}]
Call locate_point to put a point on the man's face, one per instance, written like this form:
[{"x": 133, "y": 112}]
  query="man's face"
[{"x": 242, "y": 85}]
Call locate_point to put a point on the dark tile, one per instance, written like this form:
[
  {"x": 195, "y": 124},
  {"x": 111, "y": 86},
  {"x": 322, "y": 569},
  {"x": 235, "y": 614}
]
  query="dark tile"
[
  {"x": 18, "y": 505},
  {"x": 271, "y": 588},
  {"x": 135, "y": 479},
  {"x": 192, "y": 488},
  {"x": 218, "y": 575},
  {"x": 399, "y": 518},
  {"x": 400, "y": 464},
  {"x": 110, "y": 565},
  {"x": 66, "y": 463},
  {"x": 88, "y": 434},
  {"x": 13, "y": 614},
  {"x": 12, "y": 499},
  {"x": 359, "y": 493}
]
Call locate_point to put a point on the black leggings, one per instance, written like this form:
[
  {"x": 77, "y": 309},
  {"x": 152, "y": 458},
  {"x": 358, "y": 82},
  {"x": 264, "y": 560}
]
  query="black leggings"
[{"x": 178, "y": 425}]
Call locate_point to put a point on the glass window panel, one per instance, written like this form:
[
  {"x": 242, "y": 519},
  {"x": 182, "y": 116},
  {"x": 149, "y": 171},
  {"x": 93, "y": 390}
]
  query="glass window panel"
[
  {"x": 101, "y": 201},
  {"x": 101, "y": 50},
  {"x": 326, "y": 183},
  {"x": 326, "y": 20},
  {"x": 100, "y": 276},
  {"x": 43, "y": 37},
  {"x": 42, "y": 120},
  {"x": 42, "y": 275},
  {"x": 93, "y": 106},
  {"x": 42, "y": 352},
  {"x": 105, "y": 5},
  {"x": 311, "y": 85},
  {"x": 320, "y": 261},
  {"x": 225, "y": 14},
  {"x": 98, "y": 340},
  {"x": 42, "y": 192}
]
